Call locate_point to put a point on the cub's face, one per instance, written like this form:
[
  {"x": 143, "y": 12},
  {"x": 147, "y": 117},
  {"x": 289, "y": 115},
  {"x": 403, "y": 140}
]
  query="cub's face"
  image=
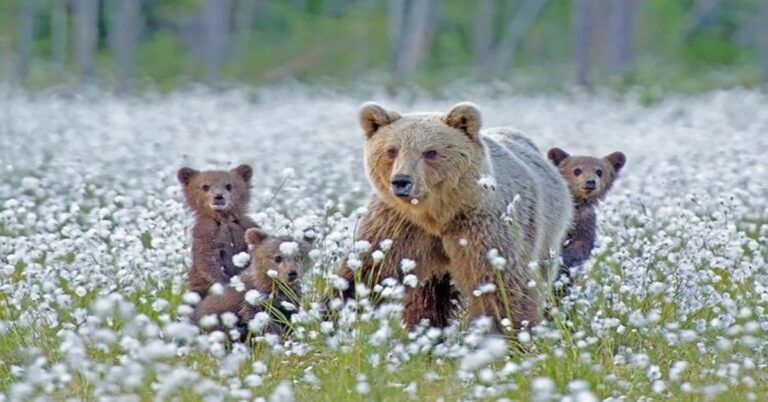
[
  {"x": 588, "y": 178},
  {"x": 412, "y": 159},
  {"x": 216, "y": 191},
  {"x": 286, "y": 257}
]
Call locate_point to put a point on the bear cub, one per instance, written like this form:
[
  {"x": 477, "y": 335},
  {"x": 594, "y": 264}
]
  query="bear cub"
[
  {"x": 219, "y": 199},
  {"x": 589, "y": 179},
  {"x": 276, "y": 264}
]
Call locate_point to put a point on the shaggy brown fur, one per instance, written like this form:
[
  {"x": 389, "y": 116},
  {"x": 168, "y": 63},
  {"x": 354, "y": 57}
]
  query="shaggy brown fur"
[
  {"x": 219, "y": 200},
  {"x": 589, "y": 180},
  {"x": 425, "y": 170},
  {"x": 265, "y": 256}
]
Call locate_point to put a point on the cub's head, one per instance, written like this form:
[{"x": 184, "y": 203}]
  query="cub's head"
[
  {"x": 217, "y": 192},
  {"x": 588, "y": 178},
  {"x": 275, "y": 258},
  {"x": 412, "y": 160}
]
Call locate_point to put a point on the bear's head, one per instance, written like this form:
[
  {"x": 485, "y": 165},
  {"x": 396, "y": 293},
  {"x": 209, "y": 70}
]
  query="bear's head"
[
  {"x": 217, "y": 192},
  {"x": 589, "y": 178},
  {"x": 275, "y": 258},
  {"x": 419, "y": 161}
]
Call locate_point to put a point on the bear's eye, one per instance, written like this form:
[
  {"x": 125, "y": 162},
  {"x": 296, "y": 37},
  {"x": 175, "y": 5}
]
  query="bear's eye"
[
  {"x": 430, "y": 154},
  {"x": 228, "y": 187},
  {"x": 206, "y": 188},
  {"x": 599, "y": 173},
  {"x": 392, "y": 153},
  {"x": 279, "y": 259},
  {"x": 577, "y": 172}
]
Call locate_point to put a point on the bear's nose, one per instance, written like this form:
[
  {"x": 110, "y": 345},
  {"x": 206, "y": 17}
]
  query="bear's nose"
[
  {"x": 293, "y": 274},
  {"x": 219, "y": 197},
  {"x": 591, "y": 184},
  {"x": 401, "y": 185}
]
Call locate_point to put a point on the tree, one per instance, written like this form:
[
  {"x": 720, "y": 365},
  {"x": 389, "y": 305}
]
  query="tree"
[
  {"x": 59, "y": 35},
  {"x": 412, "y": 23},
  {"x": 27, "y": 16},
  {"x": 582, "y": 33},
  {"x": 623, "y": 33},
  {"x": 124, "y": 30},
  {"x": 763, "y": 40},
  {"x": 86, "y": 31},
  {"x": 217, "y": 27}
]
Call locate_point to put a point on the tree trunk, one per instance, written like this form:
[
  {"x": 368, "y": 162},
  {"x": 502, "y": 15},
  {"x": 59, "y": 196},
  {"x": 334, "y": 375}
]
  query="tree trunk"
[
  {"x": 483, "y": 36},
  {"x": 123, "y": 31},
  {"x": 414, "y": 38},
  {"x": 59, "y": 36},
  {"x": 26, "y": 38},
  {"x": 514, "y": 32},
  {"x": 246, "y": 12},
  {"x": 86, "y": 31},
  {"x": 623, "y": 27},
  {"x": 763, "y": 40},
  {"x": 582, "y": 34},
  {"x": 216, "y": 29}
]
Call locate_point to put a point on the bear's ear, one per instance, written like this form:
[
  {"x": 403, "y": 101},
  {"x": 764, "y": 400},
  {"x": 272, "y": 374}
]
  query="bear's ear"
[
  {"x": 254, "y": 236},
  {"x": 617, "y": 160},
  {"x": 557, "y": 156},
  {"x": 185, "y": 175},
  {"x": 466, "y": 117},
  {"x": 244, "y": 171},
  {"x": 309, "y": 235},
  {"x": 373, "y": 117}
]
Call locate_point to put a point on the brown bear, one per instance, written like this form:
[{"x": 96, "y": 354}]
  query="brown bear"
[
  {"x": 472, "y": 210},
  {"x": 589, "y": 179},
  {"x": 276, "y": 264},
  {"x": 219, "y": 200}
]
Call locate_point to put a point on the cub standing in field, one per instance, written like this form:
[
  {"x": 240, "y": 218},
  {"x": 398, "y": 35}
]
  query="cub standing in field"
[
  {"x": 219, "y": 199},
  {"x": 274, "y": 271},
  {"x": 589, "y": 179}
]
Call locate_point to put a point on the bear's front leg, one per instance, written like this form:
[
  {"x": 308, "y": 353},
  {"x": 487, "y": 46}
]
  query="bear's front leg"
[
  {"x": 434, "y": 301},
  {"x": 496, "y": 286},
  {"x": 430, "y": 300}
]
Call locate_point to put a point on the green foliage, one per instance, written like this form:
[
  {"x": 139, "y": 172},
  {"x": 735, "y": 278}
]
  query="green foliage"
[{"x": 343, "y": 42}]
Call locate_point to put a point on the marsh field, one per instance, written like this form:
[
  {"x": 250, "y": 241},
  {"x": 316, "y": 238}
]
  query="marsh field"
[{"x": 94, "y": 248}]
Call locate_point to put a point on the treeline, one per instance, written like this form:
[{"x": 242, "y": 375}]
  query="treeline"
[{"x": 165, "y": 43}]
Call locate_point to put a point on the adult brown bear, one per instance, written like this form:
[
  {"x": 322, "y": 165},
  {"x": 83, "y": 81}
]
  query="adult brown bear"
[{"x": 478, "y": 213}]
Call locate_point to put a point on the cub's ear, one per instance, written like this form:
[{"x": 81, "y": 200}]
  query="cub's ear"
[
  {"x": 617, "y": 160},
  {"x": 185, "y": 175},
  {"x": 466, "y": 117},
  {"x": 254, "y": 236},
  {"x": 557, "y": 156},
  {"x": 244, "y": 171},
  {"x": 373, "y": 117}
]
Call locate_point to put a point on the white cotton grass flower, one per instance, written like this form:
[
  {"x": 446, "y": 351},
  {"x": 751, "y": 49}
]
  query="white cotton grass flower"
[
  {"x": 386, "y": 244},
  {"x": 287, "y": 172},
  {"x": 254, "y": 297},
  {"x": 241, "y": 259},
  {"x": 497, "y": 261},
  {"x": 191, "y": 298},
  {"x": 289, "y": 248},
  {"x": 484, "y": 288},
  {"x": 377, "y": 256},
  {"x": 491, "y": 349},
  {"x": 272, "y": 273},
  {"x": 209, "y": 321},
  {"x": 216, "y": 289},
  {"x": 488, "y": 182},
  {"x": 411, "y": 281},
  {"x": 282, "y": 393},
  {"x": 407, "y": 265},
  {"x": 228, "y": 319},
  {"x": 362, "y": 246},
  {"x": 236, "y": 283},
  {"x": 259, "y": 322}
]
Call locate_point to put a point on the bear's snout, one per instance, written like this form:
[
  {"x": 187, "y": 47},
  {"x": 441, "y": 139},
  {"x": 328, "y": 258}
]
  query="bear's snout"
[
  {"x": 590, "y": 185},
  {"x": 402, "y": 185},
  {"x": 293, "y": 274}
]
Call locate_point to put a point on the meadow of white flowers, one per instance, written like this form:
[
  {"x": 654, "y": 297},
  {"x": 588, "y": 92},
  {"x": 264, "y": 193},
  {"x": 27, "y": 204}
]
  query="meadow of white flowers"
[{"x": 94, "y": 248}]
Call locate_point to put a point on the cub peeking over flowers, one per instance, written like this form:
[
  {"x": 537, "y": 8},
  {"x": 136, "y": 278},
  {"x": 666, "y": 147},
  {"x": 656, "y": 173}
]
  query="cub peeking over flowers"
[{"x": 264, "y": 296}]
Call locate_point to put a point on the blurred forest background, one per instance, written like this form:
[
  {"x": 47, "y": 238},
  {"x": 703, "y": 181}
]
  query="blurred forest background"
[{"x": 672, "y": 45}]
